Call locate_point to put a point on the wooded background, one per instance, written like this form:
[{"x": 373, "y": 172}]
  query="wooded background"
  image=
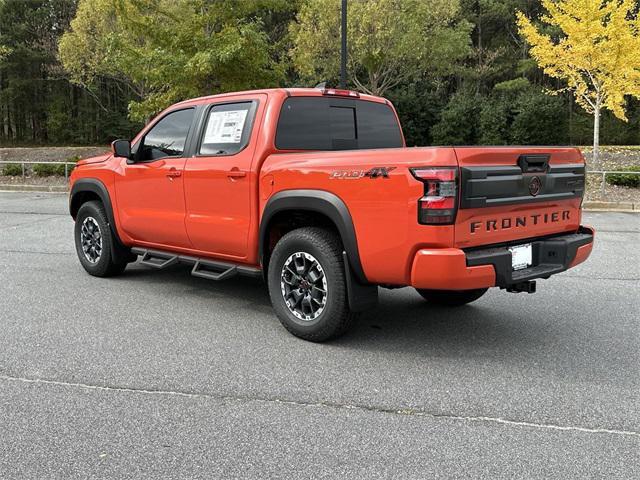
[{"x": 462, "y": 74}]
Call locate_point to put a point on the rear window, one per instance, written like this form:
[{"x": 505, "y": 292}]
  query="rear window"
[{"x": 323, "y": 123}]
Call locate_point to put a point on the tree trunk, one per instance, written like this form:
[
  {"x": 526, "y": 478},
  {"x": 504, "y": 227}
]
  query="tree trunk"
[{"x": 596, "y": 131}]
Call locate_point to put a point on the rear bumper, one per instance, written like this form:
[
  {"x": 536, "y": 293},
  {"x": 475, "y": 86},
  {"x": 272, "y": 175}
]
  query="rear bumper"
[{"x": 456, "y": 269}]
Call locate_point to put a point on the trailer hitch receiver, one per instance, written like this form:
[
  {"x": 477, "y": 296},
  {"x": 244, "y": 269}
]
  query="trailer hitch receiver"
[{"x": 529, "y": 287}]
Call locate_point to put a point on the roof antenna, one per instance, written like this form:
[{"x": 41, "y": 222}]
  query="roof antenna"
[{"x": 322, "y": 85}]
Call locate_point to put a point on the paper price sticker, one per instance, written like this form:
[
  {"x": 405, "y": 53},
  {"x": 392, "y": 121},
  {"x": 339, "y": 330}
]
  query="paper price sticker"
[{"x": 225, "y": 127}]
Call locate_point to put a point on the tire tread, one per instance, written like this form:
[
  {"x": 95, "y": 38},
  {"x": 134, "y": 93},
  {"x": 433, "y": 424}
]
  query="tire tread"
[
  {"x": 330, "y": 246},
  {"x": 108, "y": 267}
]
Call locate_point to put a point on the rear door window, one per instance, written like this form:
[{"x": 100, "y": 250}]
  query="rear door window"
[
  {"x": 322, "y": 123},
  {"x": 227, "y": 128}
]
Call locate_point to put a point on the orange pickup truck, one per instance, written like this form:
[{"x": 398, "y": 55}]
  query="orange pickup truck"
[{"x": 315, "y": 191}]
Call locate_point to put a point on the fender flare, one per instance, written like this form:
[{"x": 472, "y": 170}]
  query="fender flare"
[
  {"x": 319, "y": 201},
  {"x": 94, "y": 186}
]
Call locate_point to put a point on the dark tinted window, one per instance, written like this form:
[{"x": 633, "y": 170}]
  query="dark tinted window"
[
  {"x": 304, "y": 124},
  {"x": 343, "y": 122},
  {"x": 227, "y": 129},
  {"x": 323, "y": 123},
  {"x": 167, "y": 137},
  {"x": 377, "y": 126}
]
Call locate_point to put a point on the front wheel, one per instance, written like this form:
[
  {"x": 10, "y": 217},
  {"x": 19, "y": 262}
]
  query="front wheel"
[
  {"x": 307, "y": 284},
  {"x": 95, "y": 243},
  {"x": 451, "y": 298}
]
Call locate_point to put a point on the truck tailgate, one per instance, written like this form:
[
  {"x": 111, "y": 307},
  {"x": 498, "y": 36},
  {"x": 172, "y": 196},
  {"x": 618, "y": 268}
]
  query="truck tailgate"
[{"x": 515, "y": 193}]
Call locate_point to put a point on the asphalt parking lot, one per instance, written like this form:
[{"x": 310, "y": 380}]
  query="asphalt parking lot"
[{"x": 157, "y": 374}]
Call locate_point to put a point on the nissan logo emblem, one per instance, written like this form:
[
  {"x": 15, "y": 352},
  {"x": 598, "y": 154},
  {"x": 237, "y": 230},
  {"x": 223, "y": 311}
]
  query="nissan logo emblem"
[{"x": 534, "y": 186}]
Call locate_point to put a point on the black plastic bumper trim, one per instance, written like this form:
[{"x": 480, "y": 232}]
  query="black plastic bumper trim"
[{"x": 549, "y": 256}]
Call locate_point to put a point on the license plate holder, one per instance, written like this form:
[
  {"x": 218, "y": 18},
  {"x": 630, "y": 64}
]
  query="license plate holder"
[{"x": 521, "y": 256}]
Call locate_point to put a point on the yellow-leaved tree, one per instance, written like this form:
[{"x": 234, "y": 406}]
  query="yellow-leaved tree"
[{"x": 594, "y": 46}]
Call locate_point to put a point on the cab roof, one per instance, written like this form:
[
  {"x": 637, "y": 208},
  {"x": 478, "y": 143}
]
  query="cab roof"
[{"x": 287, "y": 92}]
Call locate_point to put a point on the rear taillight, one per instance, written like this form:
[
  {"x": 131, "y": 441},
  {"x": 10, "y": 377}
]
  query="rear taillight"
[{"x": 439, "y": 204}]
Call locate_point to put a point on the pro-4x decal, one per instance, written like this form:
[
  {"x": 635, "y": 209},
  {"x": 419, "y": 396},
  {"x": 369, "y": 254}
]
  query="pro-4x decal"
[{"x": 375, "y": 172}]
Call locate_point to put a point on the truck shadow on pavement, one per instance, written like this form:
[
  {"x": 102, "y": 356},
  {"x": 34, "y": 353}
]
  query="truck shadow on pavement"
[
  {"x": 495, "y": 330},
  {"x": 403, "y": 321}
]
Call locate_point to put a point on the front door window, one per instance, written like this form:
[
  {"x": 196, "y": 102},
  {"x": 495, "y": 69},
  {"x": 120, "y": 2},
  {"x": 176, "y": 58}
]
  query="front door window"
[{"x": 167, "y": 138}]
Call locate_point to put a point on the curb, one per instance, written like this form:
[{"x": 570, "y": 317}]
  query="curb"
[
  {"x": 33, "y": 188},
  {"x": 611, "y": 206}
]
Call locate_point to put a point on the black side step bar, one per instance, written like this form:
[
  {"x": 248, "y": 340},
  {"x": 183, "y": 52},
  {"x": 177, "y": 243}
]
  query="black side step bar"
[
  {"x": 213, "y": 271},
  {"x": 202, "y": 267},
  {"x": 157, "y": 260}
]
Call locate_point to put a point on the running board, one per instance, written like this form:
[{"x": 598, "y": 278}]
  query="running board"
[
  {"x": 157, "y": 260},
  {"x": 213, "y": 271},
  {"x": 202, "y": 267}
]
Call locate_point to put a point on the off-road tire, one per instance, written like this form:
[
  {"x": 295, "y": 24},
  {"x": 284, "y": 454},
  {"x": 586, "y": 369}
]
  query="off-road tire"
[
  {"x": 451, "y": 298},
  {"x": 325, "y": 247},
  {"x": 105, "y": 265}
]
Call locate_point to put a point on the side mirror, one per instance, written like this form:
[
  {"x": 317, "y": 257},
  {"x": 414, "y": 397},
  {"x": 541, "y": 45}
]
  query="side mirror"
[{"x": 121, "y": 148}]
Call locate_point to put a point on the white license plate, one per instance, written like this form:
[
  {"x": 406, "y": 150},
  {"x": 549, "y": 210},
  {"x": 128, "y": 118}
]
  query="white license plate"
[{"x": 520, "y": 256}]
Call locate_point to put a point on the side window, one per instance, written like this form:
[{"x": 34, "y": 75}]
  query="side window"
[
  {"x": 321, "y": 123},
  {"x": 227, "y": 128},
  {"x": 304, "y": 124},
  {"x": 167, "y": 138},
  {"x": 377, "y": 126}
]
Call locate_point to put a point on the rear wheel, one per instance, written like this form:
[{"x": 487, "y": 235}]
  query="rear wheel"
[
  {"x": 451, "y": 298},
  {"x": 307, "y": 284},
  {"x": 95, "y": 243}
]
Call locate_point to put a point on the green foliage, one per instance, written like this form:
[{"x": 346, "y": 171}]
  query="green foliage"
[
  {"x": 170, "y": 50},
  {"x": 457, "y": 71},
  {"x": 418, "y": 106},
  {"x": 12, "y": 170},
  {"x": 53, "y": 170},
  {"x": 625, "y": 179},
  {"x": 48, "y": 170},
  {"x": 515, "y": 112},
  {"x": 539, "y": 120},
  {"x": 519, "y": 113},
  {"x": 4, "y": 52},
  {"x": 390, "y": 42},
  {"x": 497, "y": 53},
  {"x": 37, "y": 102},
  {"x": 458, "y": 124}
]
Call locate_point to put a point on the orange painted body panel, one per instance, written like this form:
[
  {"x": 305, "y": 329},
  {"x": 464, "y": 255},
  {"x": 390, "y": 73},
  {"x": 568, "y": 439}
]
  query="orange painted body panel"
[
  {"x": 384, "y": 210},
  {"x": 206, "y": 212},
  {"x": 446, "y": 269},
  {"x": 219, "y": 193},
  {"x": 584, "y": 251},
  {"x": 152, "y": 201},
  {"x": 536, "y": 225}
]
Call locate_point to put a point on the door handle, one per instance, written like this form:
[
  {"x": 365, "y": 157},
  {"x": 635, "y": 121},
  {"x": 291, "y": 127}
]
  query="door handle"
[
  {"x": 173, "y": 172},
  {"x": 235, "y": 172}
]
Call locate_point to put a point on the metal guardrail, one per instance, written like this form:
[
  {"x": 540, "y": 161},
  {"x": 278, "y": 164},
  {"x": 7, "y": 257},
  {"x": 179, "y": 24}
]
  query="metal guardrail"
[
  {"x": 604, "y": 173},
  {"x": 24, "y": 170}
]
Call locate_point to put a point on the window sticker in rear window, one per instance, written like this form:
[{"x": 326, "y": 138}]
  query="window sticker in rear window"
[{"x": 225, "y": 126}]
